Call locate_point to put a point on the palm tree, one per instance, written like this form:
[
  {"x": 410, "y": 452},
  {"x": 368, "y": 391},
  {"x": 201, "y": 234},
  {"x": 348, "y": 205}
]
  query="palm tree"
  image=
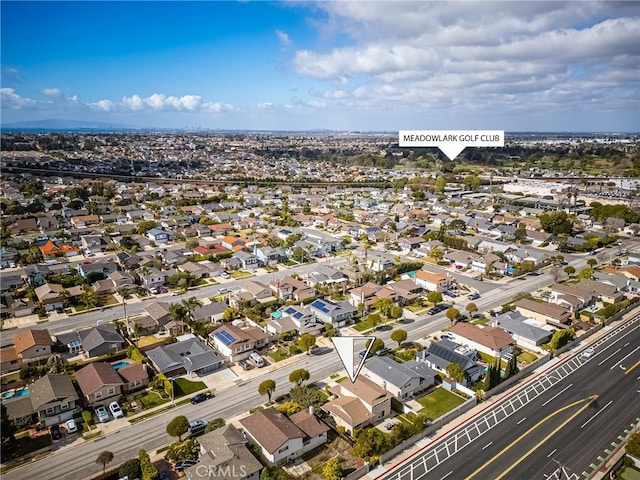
[
  {"x": 178, "y": 312},
  {"x": 190, "y": 304},
  {"x": 56, "y": 363},
  {"x": 123, "y": 292}
]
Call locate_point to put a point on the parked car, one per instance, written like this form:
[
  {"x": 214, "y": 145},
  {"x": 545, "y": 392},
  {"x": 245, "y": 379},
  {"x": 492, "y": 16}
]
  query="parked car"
[
  {"x": 180, "y": 466},
  {"x": 244, "y": 365},
  {"x": 197, "y": 426},
  {"x": 474, "y": 296},
  {"x": 153, "y": 291},
  {"x": 56, "y": 433},
  {"x": 59, "y": 310},
  {"x": 364, "y": 352},
  {"x": 389, "y": 426},
  {"x": 116, "y": 411},
  {"x": 384, "y": 351},
  {"x": 446, "y": 336},
  {"x": 200, "y": 397},
  {"x": 102, "y": 414},
  {"x": 71, "y": 426}
]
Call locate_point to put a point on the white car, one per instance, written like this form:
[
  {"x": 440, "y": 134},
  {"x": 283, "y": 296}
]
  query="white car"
[
  {"x": 588, "y": 353},
  {"x": 71, "y": 426},
  {"x": 116, "y": 411},
  {"x": 102, "y": 414}
]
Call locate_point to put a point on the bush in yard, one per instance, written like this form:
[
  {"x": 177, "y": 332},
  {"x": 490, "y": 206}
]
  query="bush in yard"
[
  {"x": 149, "y": 470},
  {"x": 289, "y": 408},
  {"x": 88, "y": 418},
  {"x": 332, "y": 469},
  {"x": 181, "y": 451},
  {"x": 214, "y": 425}
]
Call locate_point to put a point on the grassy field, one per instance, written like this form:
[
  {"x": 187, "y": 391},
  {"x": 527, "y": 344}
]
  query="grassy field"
[
  {"x": 186, "y": 387},
  {"x": 439, "y": 402},
  {"x": 148, "y": 340},
  {"x": 362, "y": 326},
  {"x": 240, "y": 274},
  {"x": 527, "y": 357},
  {"x": 278, "y": 355}
]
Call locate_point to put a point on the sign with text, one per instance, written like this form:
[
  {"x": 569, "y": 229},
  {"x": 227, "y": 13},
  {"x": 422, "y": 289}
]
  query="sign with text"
[{"x": 451, "y": 142}]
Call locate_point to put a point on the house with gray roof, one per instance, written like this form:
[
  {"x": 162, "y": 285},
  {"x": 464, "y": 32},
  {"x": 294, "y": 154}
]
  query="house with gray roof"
[
  {"x": 212, "y": 312},
  {"x": 224, "y": 455},
  {"x": 100, "y": 340},
  {"x": 324, "y": 275},
  {"x": 526, "y": 332},
  {"x": 439, "y": 355},
  {"x": 187, "y": 356},
  {"x": 402, "y": 380}
]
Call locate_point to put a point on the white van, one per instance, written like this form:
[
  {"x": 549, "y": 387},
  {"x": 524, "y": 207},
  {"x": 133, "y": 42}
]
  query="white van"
[{"x": 256, "y": 359}]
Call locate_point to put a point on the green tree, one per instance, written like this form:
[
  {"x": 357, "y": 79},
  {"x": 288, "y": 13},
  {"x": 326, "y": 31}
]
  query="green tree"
[
  {"x": 332, "y": 469},
  {"x": 512, "y": 367},
  {"x": 383, "y": 305},
  {"x": 556, "y": 223},
  {"x": 178, "y": 427},
  {"x": 370, "y": 442},
  {"x": 592, "y": 262},
  {"x": 7, "y": 428},
  {"x": 585, "y": 273},
  {"x": 306, "y": 342},
  {"x": 88, "y": 297},
  {"x": 472, "y": 182},
  {"x": 104, "y": 458},
  {"x": 452, "y": 314},
  {"x": 440, "y": 185},
  {"x": 130, "y": 468},
  {"x": 148, "y": 469},
  {"x": 437, "y": 254},
  {"x": 457, "y": 226},
  {"x": 569, "y": 270},
  {"x": 299, "y": 376},
  {"x": 561, "y": 338},
  {"x": 396, "y": 312},
  {"x": 267, "y": 387},
  {"x": 399, "y": 336},
  {"x": 455, "y": 371},
  {"x": 472, "y": 308},
  {"x": 190, "y": 304},
  {"x": 434, "y": 297},
  {"x": 374, "y": 319},
  {"x": 300, "y": 255},
  {"x": 378, "y": 345},
  {"x": 230, "y": 314}
]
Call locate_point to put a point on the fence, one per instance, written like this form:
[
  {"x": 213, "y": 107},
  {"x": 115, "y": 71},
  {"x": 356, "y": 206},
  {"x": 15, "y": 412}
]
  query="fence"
[{"x": 358, "y": 473}]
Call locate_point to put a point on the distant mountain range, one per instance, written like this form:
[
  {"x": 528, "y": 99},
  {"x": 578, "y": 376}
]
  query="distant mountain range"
[{"x": 58, "y": 124}]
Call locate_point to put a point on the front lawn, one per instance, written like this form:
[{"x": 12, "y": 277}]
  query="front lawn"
[
  {"x": 362, "y": 326},
  {"x": 489, "y": 360},
  {"x": 484, "y": 321},
  {"x": 187, "y": 387},
  {"x": 527, "y": 357},
  {"x": 149, "y": 340},
  {"x": 278, "y": 355},
  {"x": 439, "y": 402},
  {"x": 240, "y": 274}
]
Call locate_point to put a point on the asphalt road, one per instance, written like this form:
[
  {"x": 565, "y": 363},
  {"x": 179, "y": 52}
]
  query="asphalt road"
[{"x": 576, "y": 410}]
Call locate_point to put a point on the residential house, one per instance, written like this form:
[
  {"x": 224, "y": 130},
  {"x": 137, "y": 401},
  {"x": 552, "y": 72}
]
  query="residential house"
[
  {"x": 359, "y": 403},
  {"x": 337, "y": 314},
  {"x": 294, "y": 318},
  {"x": 159, "y": 312},
  {"x": 258, "y": 291},
  {"x": 85, "y": 221},
  {"x": 439, "y": 355},
  {"x": 461, "y": 259},
  {"x": 290, "y": 288},
  {"x": 100, "y": 340},
  {"x": 51, "y": 296},
  {"x": 270, "y": 255},
  {"x": 33, "y": 345},
  {"x": 159, "y": 236},
  {"x": 152, "y": 278},
  {"x": 13, "y": 307},
  {"x": 51, "y": 399},
  {"x": 221, "y": 229},
  {"x": 212, "y": 312},
  {"x": 409, "y": 244},
  {"x": 326, "y": 275},
  {"x": 526, "y": 332},
  {"x": 93, "y": 243},
  {"x": 248, "y": 260},
  {"x": 281, "y": 438},
  {"x": 211, "y": 249},
  {"x": 104, "y": 267},
  {"x": 602, "y": 291},
  {"x": 571, "y": 297},
  {"x": 402, "y": 380},
  {"x": 235, "y": 343},
  {"x": 224, "y": 456},
  {"x": 434, "y": 282},
  {"x": 544, "y": 312},
  {"x": 51, "y": 250},
  {"x": 102, "y": 383},
  {"x": 490, "y": 340},
  {"x": 188, "y": 355},
  {"x": 234, "y": 243}
]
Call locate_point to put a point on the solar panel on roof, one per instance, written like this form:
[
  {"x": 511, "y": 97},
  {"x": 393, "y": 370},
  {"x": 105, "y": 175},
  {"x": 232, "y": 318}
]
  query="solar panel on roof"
[
  {"x": 320, "y": 306},
  {"x": 298, "y": 315},
  {"x": 225, "y": 337},
  {"x": 290, "y": 310}
]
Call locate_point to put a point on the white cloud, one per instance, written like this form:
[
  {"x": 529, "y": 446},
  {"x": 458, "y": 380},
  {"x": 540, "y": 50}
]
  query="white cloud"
[
  {"x": 284, "y": 39},
  {"x": 476, "y": 55},
  {"x": 104, "y": 105},
  {"x": 52, "y": 92},
  {"x": 10, "y": 99}
]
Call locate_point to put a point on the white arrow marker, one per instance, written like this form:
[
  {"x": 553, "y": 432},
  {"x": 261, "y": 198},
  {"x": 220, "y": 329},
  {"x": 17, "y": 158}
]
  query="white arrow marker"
[{"x": 346, "y": 347}]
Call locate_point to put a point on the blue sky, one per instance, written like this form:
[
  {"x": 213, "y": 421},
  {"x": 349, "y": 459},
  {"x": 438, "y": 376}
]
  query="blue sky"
[{"x": 340, "y": 65}]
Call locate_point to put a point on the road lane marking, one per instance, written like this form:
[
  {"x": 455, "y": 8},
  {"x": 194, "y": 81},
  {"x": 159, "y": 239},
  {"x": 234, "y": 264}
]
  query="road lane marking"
[
  {"x": 447, "y": 475},
  {"x": 554, "y": 451},
  {"x": 544, "y": 440},
  {"x": 631, "y": 368},
  {"x": 626, "y": 356},
  {"x": 557, "y": 394},
  {"x": 487, "y": 445},
  {"x": 522, "y": 420},
  {"x": 596, "y": 414},
  {"x": 589, "y": 400},
  {"x": 609, "y": 356}
]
